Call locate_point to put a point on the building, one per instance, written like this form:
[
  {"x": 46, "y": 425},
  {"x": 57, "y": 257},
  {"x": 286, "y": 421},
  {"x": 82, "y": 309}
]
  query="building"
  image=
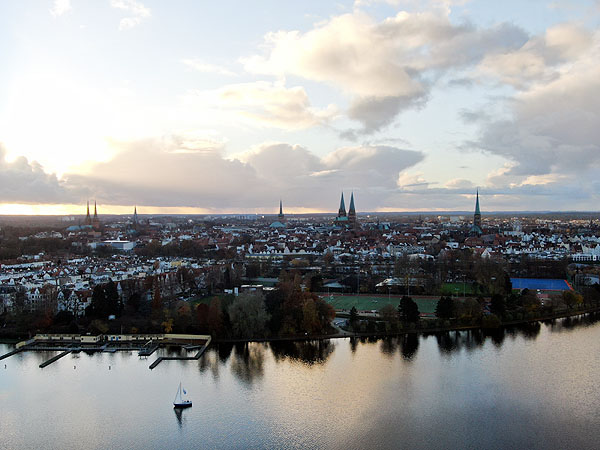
[
  {"x": 95, "y": 220},
  {"x": 352, "y": 213},
  {"x": 88, "y": 218},
  {"x": 346, "y": 220},
  {"x": 342, "y": 218},
  {"x": 280, "y": 222},
  {"x": 475, "y": 229}
]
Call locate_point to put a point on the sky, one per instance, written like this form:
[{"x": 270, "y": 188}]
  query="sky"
[{"x": 227, "y": 107}]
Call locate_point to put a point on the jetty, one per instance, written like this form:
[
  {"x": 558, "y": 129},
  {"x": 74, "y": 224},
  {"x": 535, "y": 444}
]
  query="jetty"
[
  {"x": 54, "y": 358},
  {"x": 144, "y": 344},
  {"x": 197, "y": 356}
]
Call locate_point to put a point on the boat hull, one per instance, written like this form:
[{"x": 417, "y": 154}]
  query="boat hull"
[{"x": 182, "y": 405}]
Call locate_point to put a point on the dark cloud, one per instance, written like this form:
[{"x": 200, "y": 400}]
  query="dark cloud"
[
  {"x": 152, "y": 172},
  {"x": 22, "y": 181}
]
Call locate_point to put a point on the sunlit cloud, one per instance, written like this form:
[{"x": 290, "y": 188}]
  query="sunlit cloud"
[{"x": 138, "y": 12}]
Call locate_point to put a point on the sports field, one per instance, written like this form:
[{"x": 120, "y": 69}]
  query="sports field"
[
  {"x": 376, "y": 302},
  {"x": 543, "y": 284},
  {"x": 457, "y": 289}
]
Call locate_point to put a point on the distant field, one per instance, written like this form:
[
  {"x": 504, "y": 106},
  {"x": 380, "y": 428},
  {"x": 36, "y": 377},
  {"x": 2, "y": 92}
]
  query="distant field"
[
  {"x": 370, "y": 302},
  {"x": 457, "y": 288}
]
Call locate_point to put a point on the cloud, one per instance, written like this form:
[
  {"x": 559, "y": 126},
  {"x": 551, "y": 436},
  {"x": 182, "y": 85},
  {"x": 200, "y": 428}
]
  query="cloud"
[
  {"x": 155, "y": 172},
  {"x": 138, "y": 12},
  {"x": 552, "y": 127},
  {"x": 60, "y": 7},
  {"x": 205, "y": 67},
  {"x": 459, "y": 183},
  {"x": 386, "y": 66},
  {"x": 538, "y": 59},
  {"x": 22, "y": 181},
  {"x": 266, "y": 104}
]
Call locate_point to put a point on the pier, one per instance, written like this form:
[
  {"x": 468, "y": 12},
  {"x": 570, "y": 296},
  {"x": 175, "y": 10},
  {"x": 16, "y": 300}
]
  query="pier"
[
  {"x": 145, "y": 345},
  {"x": 183, "y": 358},
  {"x": 55, "y": 358},
  {"x": 14, "y": 352}
]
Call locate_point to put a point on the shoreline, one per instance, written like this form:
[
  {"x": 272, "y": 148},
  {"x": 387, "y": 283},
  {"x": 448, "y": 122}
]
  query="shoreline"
[{"x": 352, "y": 334}]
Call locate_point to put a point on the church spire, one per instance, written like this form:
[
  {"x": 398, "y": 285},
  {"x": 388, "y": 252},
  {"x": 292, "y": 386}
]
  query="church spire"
[
  {"x": 476, "y": 228},
  {"x": 88, "y": 219},
  {"x": 95, "y": 220},
  {"x": 352, "y": 212},
  {"x": 280, "y": 216},
  {"x": 342, "y": 211}
]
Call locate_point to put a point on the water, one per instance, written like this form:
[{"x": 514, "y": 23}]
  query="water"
[{"x": 531, "y": 388}]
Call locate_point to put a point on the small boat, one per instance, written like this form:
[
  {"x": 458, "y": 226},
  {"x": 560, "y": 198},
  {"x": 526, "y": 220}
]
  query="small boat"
[{"x": 179, "y": 401}]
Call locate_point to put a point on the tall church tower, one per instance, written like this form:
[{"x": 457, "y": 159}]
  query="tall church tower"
[
  {"x": 352, "y": 212},
  {"x": 281, "y": 217},
  {"x": 342, "y": 210},
  {"x": 476, "y": 228},
  {"x": 88, "y": 219},
  {"x": 95, "y": 220},
  {"x": 135, "y": 217}
]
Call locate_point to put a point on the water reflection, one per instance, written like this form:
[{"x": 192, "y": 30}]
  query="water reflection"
[
  {"x": 409, "y": 344},
  {"x": 307, "y": 352},
  {"x": 247, "y": 363},
  {"x": 179, "y": 412}
]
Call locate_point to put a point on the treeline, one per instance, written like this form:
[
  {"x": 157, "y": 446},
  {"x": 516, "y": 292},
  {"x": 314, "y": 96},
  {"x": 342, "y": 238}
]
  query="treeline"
[
  {"x": 451, "y": 312},
  {"x": 286, "y": 311}
]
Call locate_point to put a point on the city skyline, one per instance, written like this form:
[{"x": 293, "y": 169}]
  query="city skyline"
[{"x": 206, "y": 109}]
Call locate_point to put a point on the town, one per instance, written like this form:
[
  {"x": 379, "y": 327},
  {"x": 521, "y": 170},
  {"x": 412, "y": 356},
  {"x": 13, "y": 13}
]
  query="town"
[{"x": 182, "y": 273}]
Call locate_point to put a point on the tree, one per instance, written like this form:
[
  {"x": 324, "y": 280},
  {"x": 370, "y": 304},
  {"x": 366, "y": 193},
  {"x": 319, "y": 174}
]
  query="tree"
[
  {"x": 248, "y": 316},
  {"x": 157, "y": 301},
  {"x": 409, "y": 310},
  {"x": 571, "y": 299},
  {"x": 353, "y": 317},
  {"x": 97, "y": 306},
  {"x": 497, "y": 305},
  {"x": 388, "y": 313},
  {"x": 445, "y": 308},
  {"x": 215, "y": 317},
  {"x": 310, "y": 319}
]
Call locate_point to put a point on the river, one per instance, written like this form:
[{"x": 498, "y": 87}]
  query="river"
[{"x": 532, "y": 387}]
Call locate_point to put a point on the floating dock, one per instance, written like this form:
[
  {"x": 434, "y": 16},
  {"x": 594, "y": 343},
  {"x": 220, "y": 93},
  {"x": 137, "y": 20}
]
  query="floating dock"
[
  {"x": 144, "y": 344},
  {"x": 54, "y": 358},
  {"x": 182, "y": 358},
  {"x": 14, "y": 352}
]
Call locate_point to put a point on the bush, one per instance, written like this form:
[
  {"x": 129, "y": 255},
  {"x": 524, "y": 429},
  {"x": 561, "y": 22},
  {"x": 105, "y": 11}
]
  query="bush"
[{"x": 490, "y": 321}]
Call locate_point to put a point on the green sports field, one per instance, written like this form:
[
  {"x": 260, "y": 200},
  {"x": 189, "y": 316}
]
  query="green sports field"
[
  {"x": 457, "y": 289},
  {"x": 370, "y": 302}
]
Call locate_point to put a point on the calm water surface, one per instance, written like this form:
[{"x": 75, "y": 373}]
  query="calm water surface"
[{"x": 532, "y": 388}]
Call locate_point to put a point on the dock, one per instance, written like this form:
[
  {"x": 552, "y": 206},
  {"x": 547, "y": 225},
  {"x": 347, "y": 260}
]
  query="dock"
[
  {"x": 14, "y": 352},
  {"x": 55, "y": 358},
  {"x": 144, "y": 344},
  {"x": 182, "y": 358}
]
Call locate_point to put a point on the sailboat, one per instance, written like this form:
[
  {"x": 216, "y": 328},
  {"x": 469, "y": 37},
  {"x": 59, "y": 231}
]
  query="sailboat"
[{"x": 179, "y": 401}]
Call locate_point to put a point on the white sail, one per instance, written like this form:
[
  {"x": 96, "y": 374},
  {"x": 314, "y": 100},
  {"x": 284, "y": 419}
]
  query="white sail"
[{"x": 178, "y": 395}]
